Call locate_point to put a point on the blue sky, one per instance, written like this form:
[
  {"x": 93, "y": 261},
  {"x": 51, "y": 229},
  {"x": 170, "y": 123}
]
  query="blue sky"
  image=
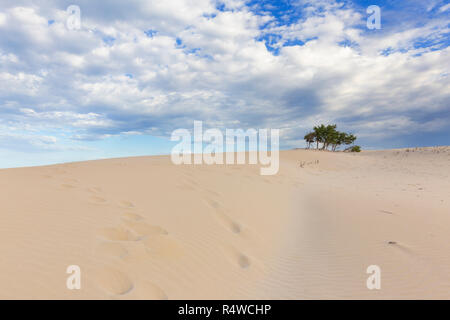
[{"x": 137, "y": 70}]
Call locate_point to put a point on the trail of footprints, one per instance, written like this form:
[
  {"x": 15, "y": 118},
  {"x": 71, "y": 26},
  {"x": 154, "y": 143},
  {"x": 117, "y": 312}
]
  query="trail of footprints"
[
  {"x": 239, "y": 258},
  {"x": 219, "y": 212},
  {"x": 133, "y": 229},
  {"x": 113, "y": 241}
]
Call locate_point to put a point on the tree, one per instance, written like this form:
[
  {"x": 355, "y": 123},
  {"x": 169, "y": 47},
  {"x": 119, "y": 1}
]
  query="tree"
[
  {"x": 342, "y": 138},
  {"x": 349, "y": 139},
  {"x": 337, "y": 139},
  {"x": 331, "y": 136},
  {"x": 310, "y": 138},
  {"x": 328, "y": 136},
  {"x": 320, "y": 133}
]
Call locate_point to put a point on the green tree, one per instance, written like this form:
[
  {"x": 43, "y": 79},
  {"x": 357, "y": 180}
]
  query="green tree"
[
  {"x": 320, "y": 132},
  {"x": 331, "y": 136},
  {"x": 310, "y": 138},
  {"x": 337, "y": 139},
  {"x": 328, "y": 136},
  {"x": 349, "y": 139}
]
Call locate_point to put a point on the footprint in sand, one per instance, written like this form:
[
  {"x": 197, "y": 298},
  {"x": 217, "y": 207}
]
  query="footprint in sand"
[
  {"x": 111, "y": 249},
  {"x": 130, "y": 216},
  {"x": 126, "y": 204},
  {"x": 243, "y": 261},
  {"x": 95, "y": 190},
  {"x": 212, "y": 203},
  {"x": 142, "y": 229},
  {"x": 113, "y": 282},
  {"x": 97, "y": 200},
  {"x": 117, "y": 234},
  {"x": 156, "y": 240},
  {"x": 157, "y": 244},
  {"x": 237, "y": 257},
  {"x": 229, "y": 223}
]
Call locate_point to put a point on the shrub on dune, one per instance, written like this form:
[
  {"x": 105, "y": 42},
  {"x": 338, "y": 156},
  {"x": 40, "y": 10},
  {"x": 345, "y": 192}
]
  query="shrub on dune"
[{"x": 353, "y": 149}]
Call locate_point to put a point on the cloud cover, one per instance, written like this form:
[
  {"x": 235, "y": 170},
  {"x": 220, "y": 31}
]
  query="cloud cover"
[{"x": 149, "y": 67}]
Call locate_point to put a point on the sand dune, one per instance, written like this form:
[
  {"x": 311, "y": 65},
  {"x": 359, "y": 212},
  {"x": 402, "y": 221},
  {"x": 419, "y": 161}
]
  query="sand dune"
[{"x": 143, "y": 228}]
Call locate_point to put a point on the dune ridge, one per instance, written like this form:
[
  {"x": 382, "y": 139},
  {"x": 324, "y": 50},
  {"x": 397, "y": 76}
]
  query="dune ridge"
[{"x": 143, "y": 228}]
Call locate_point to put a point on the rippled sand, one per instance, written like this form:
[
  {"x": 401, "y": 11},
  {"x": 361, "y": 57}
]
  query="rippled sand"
[{"x": 143, "y": 228}]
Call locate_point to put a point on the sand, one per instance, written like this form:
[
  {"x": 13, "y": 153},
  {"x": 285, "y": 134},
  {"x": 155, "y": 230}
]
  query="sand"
[{"x": 143, "y": 228}]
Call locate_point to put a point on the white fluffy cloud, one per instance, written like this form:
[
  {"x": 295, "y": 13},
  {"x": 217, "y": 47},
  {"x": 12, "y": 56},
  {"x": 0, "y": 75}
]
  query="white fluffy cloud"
[{"x": 154, "y": 66}]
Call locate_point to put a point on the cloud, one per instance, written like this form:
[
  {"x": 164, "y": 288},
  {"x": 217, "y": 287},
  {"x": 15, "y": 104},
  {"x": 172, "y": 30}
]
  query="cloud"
[
  {"x": 149, "y": 67},
  {"x": 26, "y": 142},
  {"x": 444, "y": 7}
]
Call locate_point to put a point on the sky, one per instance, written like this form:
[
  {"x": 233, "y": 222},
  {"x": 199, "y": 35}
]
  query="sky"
[{"x": 135, "y": 71}]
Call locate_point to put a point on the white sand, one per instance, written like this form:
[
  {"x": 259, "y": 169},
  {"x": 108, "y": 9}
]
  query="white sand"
[{"x": 143, "y": 228}]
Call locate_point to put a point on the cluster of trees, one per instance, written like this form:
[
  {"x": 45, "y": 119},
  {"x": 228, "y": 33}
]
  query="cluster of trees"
[{"x": 329, "y": 137}]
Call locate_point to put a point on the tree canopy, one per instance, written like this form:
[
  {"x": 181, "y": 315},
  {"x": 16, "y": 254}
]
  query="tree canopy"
[{"x": 328, "y": 138}]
